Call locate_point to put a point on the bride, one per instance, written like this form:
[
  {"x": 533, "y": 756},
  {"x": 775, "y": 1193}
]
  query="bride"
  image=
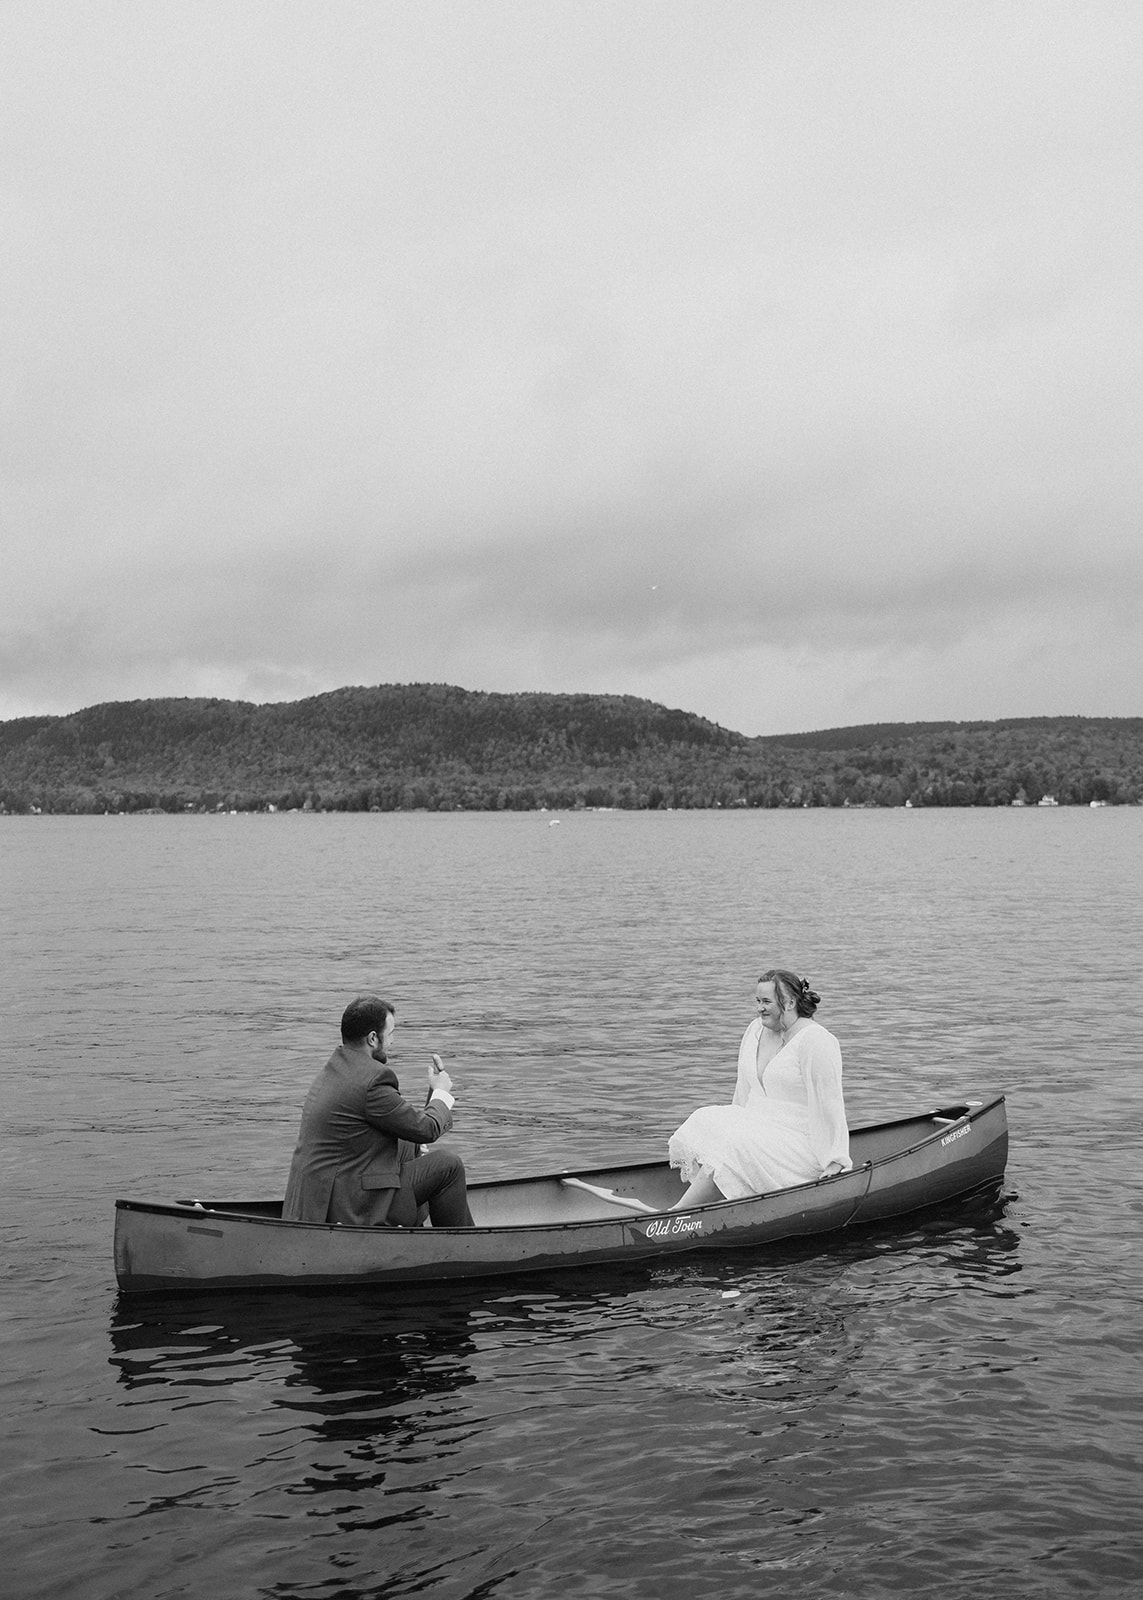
[{"x": 786, "y": 1124}]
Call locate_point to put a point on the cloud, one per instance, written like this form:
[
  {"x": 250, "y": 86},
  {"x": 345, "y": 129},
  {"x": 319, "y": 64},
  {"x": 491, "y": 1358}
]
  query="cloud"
[{"x": 640, "y": 348}]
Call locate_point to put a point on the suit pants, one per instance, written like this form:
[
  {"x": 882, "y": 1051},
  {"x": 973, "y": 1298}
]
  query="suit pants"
[{"x": 433, "y": 1182}]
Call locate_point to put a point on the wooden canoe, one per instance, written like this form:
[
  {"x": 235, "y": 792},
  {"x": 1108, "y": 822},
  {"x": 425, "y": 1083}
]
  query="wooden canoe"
[{"x": 533, "y": 1224}]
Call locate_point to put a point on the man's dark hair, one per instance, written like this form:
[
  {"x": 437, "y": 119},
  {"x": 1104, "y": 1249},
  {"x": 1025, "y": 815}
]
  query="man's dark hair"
[{"x": 364, "y": 1015}]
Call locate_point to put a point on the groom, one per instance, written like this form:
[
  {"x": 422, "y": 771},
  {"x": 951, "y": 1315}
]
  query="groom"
[{"x": 356, "y": 1160}]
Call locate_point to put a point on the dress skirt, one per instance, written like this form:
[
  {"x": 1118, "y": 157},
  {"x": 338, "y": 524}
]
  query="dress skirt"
[{"x": 748, "y": 1149}]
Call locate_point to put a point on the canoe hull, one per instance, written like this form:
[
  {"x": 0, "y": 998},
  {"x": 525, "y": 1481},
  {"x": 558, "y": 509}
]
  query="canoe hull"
[{"x": 912, "y": 1164}]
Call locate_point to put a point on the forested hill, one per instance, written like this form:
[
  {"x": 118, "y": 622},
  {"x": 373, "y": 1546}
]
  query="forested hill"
[{"x": 431, "y": 746}]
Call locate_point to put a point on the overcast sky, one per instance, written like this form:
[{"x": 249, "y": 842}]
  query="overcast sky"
[{"x": 777, "y": 360}]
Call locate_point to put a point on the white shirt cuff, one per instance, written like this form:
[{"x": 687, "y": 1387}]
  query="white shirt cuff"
[{"x": 443, "y": 1094}]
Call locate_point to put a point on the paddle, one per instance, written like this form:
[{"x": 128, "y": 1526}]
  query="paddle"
[{"x": 606, "y": 1194}]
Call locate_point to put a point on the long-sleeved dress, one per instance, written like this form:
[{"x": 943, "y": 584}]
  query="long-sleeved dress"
[{"x": 780, "y": 1131}]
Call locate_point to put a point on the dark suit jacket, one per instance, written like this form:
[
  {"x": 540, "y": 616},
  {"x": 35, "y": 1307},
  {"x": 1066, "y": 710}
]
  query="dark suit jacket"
[{"x": 357, "y": 1134}]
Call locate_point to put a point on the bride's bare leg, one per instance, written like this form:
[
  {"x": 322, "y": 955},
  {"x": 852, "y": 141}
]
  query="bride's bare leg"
[{"x": 702, "y": 1192}]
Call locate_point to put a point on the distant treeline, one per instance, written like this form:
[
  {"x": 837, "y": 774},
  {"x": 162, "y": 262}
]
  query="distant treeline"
[{"x": 432, "y": 747}]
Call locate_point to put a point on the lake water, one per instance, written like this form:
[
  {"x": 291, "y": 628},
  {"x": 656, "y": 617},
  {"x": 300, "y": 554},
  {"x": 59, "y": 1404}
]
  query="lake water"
[{"x": 951, "y": 1408}]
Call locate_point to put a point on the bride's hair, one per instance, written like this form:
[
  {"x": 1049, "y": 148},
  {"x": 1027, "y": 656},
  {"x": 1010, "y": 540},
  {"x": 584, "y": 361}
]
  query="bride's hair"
[{"x": 793, "y": 990}]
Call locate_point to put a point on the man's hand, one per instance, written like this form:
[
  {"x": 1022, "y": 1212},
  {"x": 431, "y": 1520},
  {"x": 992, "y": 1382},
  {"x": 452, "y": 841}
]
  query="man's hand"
[{"x": 438, "y": 1077}]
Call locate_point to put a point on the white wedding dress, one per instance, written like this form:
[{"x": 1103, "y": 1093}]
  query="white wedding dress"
[{"x": 781, "y": 1129}]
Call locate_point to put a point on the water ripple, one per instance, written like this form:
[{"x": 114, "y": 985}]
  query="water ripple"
[{"x": 949, "y": 1406}]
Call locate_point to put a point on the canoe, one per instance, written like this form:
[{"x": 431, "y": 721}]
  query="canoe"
[{"x": 563, "y": 1219}]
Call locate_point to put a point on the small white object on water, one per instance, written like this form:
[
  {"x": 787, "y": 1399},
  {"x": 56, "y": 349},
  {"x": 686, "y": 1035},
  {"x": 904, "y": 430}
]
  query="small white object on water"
[{"x": 731, "y": 1294}]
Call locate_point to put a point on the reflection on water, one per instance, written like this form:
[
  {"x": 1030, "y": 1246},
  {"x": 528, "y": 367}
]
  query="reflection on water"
[
  {"x": 494, "y": 1416},
  {"x": 327, "y": 1351}
]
